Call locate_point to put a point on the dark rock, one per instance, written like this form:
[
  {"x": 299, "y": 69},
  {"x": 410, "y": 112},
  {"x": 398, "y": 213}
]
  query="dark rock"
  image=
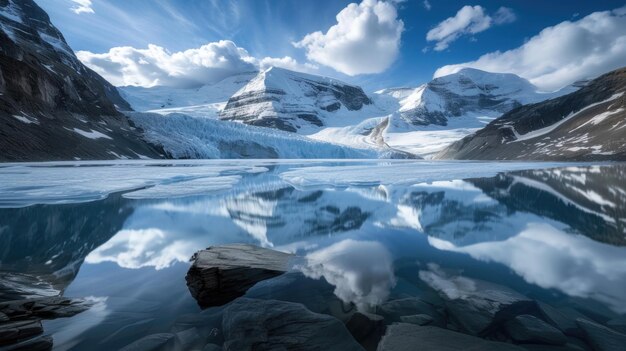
[
  {"x": 220, "y": 274},
  {"x": 12, "y": 332},
  {"x": 564, "y": 319},
  {"x": 419, "y": 319},
  {"x": 154, "y": 342},
  {"x": 410, "y": 337},
  {"x": 393, "y": 310},
  {"x": 366, "y": 328},
  {"x": 530, "y": 329},
  {"x": 602, "y": 338},
  {"x": 316, "y": 295},
  {"x": 485, "y": 307},
  {"x": 44, "y": 307},
  {"x": 252, "y": 324},
  {"x": 40, "y": 343},
  {"x": 212, "y": 347},
  {"x": 618, "y": 324},
  {"x": 189, "y": 339}
]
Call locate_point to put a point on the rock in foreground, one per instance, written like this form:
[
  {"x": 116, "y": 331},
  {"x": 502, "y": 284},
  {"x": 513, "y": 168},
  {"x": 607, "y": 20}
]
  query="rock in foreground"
[
  {"x": 252, "y": 324},
  {"x": 409, "y": 337},
  {"x": 220, "y": 274}
]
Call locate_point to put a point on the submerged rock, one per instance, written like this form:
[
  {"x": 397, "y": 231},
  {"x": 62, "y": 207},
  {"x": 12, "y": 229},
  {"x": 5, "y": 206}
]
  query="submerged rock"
[
  {"x": 40, "y": 343},
  {"x": 419, "y": 319},
  {"x": 220, "y": 274},
  {"x": 476, "y": 305},
  {"x": 252, "y": 324},
  {"x": 366, "y": 328},
  {"x": 530, "y": 329},
  {"x": 601, "y": 337},
  {"x": 410, "y": 337},
  {"x": 154, "y": 342},
  {"x": 44, "y": 307},
  {"x": 394, "y": 310},
  {"x": 20, "y": 320},
  {"x": 18, "y": 330},
  {"x": 618, "y": 324}
]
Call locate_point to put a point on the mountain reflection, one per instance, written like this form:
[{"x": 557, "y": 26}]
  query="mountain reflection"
[{"x": 558, "y": 229}]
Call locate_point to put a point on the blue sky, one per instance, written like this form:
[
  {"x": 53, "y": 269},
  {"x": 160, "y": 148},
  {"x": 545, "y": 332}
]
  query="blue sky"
[{"x": 268, "y": 28}]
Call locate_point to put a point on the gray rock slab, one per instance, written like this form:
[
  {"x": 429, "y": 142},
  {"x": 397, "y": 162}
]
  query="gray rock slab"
[
  {"x": 253, "y": 324},
  {"x": 220, "y": 274},
  {"x": 602, "y": 338},
  {"x": 530, "y": 329},
  {"x": 411, "y": 337}
]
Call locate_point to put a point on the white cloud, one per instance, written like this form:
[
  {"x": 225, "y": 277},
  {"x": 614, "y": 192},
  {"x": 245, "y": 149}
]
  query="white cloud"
[
  {"x": 504, "y": 15},
  {"x": 157, "y": 66},
  {"x": 468, "y": 20},
  {"x": 562, "y": 54},
  {"x": 427, "y": 5},
  {"x": 287, "y": 62},
  {"x": 366, "y": 39},
  {"x": 82, "y": 6}
]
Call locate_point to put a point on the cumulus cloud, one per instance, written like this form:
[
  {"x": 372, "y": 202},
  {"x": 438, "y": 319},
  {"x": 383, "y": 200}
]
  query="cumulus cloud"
[
  {"x": 287, "y": 62},
  {"x": 82, "y": 6},
  {"x": 427, "y": 5},
  {"x": 504, "y": 15},
  {"x": 366, "y": 39},
  {"x": 468, "y": 20},
  {"x": 562, "y": 54},
  {"x": 157, "y": 66}
]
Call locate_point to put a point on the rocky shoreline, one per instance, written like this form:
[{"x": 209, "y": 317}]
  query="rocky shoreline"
[{"x": 256, "y": 298}]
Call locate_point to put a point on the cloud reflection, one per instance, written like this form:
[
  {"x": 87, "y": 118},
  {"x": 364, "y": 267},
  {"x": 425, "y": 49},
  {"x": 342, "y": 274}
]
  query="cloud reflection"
[
  {"x": 551, "y": 258},
  {"x": 361, "y": 271}
]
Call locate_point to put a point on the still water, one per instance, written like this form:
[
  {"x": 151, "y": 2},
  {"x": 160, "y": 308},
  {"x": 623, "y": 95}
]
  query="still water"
[{"x": 122, "y": 234}]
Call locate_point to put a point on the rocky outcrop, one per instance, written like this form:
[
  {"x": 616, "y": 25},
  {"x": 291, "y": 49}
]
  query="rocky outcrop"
[
  {"x": 220, "y": 274},
  {"x": 588, "y": 124},
  {"x": 251, "y": 324},
  {"x": 286, "y": 100},
  {"x": 530, "y": 329},
  {"x": 601, "y": 337},
  {"x": 20, "y": 320},
  {"x": 52, "y": 107}
]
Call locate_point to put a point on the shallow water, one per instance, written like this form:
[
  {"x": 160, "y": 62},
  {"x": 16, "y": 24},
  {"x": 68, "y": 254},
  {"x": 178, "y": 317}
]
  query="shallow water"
[{"x": 122, "y": 233}]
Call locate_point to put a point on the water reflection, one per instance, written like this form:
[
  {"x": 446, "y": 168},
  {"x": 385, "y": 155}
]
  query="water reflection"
[
  {"x": 557, "y": 230},
  {"x": 348, "y": 265}
]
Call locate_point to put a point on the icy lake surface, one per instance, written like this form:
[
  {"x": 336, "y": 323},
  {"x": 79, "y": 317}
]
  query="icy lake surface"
[{"x": 122, "y": 233}]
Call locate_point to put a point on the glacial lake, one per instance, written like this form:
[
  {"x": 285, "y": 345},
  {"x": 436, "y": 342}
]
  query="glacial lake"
[{"x": 122, "y": 233}]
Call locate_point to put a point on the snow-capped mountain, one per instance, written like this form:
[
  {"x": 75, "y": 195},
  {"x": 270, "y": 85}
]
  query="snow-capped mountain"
[
  {"x": 51, "y": 105},
  {"x": 468, "y": 93},
  {"x": 588, "y": 124},
  {"x": 291, "y": 101},
  {"x": 207, "y": 99}
]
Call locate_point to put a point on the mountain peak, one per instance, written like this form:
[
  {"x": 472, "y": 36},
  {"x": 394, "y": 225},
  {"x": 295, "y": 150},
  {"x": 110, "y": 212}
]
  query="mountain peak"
[{"x": 288, "y": 100}]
